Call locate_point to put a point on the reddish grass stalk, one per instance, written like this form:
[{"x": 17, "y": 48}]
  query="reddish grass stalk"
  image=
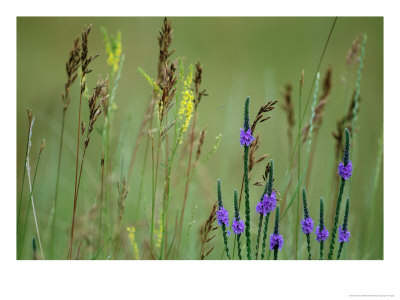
[
  {"x": 76, "y": 175},
  {"x": 187, "y": 180}
]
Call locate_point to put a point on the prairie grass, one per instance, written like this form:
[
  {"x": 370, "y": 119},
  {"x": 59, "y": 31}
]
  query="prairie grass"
[{"x": 162, "y": 106}]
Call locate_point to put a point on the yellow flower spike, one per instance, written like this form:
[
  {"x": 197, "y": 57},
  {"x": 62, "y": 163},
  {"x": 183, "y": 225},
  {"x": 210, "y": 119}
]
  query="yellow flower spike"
[
  {"x": 186, "y": 106},
  {"x": 131, "y": 236},
  {"x": 113, "y": 49},
  {"x": 149, "y": 80},
  {"x": 159, "y": 236}
]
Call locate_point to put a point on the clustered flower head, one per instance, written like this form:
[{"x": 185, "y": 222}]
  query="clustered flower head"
[
  {"x": 344, "y": 235},
  {"x": 113, "y": 50},
  {"x": 267, "y": 204},
  {"x": 222, "y": 216},
  {"x": 322, "y": 235},
  {"x": 307, "y": 225},
  {"x": 275, "y": 241},
  {"x": 186, "y": 106},
  {"x": 237, "y": 226},
  {"x": 246, "y": 138},
  {"x": 345, "y": 171}
]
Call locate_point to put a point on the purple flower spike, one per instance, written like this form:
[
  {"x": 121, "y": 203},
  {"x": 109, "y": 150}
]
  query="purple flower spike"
[
  {"x": 345, "y": 171},
  {"x": 222, "y": 216},
  {"x": 275, "y": 241},
  {"x": 322, "y": 235},
  {"x": 237, "y": 226},
  {"x": 307, "y": 225},
  {"x": 267, "y": 204},
  {"x": 260, "y": 208},
  {"x": 344, "y": 235},
  {"x": 246, "y": 138}
]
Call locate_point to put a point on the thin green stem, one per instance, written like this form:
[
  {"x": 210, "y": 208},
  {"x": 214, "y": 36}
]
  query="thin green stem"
[
  {"x": 220, "y": 205},
  {"x": 298, "y": 167},
  {"x": 321, "y": 226},
  {"x": 276, "y": 231},
  {"x": 259, "y": 233},
  {"x": 153, "y": 197},
  {"x": 28, "y": 169},
  {"x": 294, "y": 149},
  {"x": 336, "y": 219},
  {"x": 264, "y": 241},
  {"x": 23, "y": 179},
  {"x": 308, "y": 246},
  {"x": 29, "y": 204},
  {"x": 306, "y": 216},
  {"x": 54, "y": 208},
  {"x": 339, "y": 251},
  {"x": 246, "y": 179},
  {"x": 239, "y": 247},
  {"x": 167, "y": 188},
  {"x": 71, "y": 239}
]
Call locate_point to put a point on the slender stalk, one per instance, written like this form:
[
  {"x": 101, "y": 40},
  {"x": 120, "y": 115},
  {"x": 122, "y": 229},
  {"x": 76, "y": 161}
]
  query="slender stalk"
[
  {"x": 306, "y": 215},
  {"x": 269, "y": 192},
  {"x": 339, "y": 199},
  {"x": 149, "y": 110},
  {"x": 358, "y": 82},
  {"x": 23, "y": 178},
  {"x": 167, "y": 193},
  {"x": 187, "y": 177},
  {"x": 294, "y": 149},
  {"x": 336, "y": 219},
  {"x": 259, "y": 233},
  {"x": 246, "y": 180},
  {"x": 339, "y": 251},
  {"x": 298, "y": 164},
  {"x": 153, "y": 197},
  {"x": 54, "y": 209},
  {"x": 29, "y": 203},
  {"x": 239, "y": 246},
  {"x": 28, "y": 170},
  {"x": 344, "y": 227},
  {"x": 219, "y": 195},
  {"x": 166, "y": 198},
  {"x": 101, "y": 199},
  {"x": 237, "y": 216},
  {"x": 156, "y": 170},
  {"x": 276, "y": 231},
  {"x": 372, "y": 202},
  {"x": 264, "y": 241},
  {"x": 260, "y": 224},
  {"x": 321, "y": 226},
  {"x": 71, "y": 240}
]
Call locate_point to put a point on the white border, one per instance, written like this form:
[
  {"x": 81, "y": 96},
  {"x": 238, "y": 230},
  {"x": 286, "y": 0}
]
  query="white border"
[{"x": 193, "y": 279}]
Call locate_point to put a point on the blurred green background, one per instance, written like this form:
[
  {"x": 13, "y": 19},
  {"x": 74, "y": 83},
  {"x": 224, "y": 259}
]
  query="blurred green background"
[{"x": 241, "y": 57}]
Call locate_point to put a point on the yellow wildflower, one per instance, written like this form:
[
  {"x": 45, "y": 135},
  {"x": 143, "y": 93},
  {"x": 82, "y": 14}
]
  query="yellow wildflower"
[
  {"x": 186, "y": 107},
  {"x": 159, "y": 233},
  {"x": 113, "y": 49},
  {"x": 149, "y": 80},
  {"x": 131, "y": 236}
]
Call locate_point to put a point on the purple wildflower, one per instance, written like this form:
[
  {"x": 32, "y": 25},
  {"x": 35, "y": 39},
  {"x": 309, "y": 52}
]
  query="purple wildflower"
[
  {"x": 322, "y": 235},
  {"x": 344, "y": 235},
  {"x": 307, "y": 225},
  {"x": 275, "y": 241},
  {"x": 267, "y": 204},
  {"x": 237, "y": 226},
  {"x": 246, "y": 138},
  {"x": 260, "y": 208},
  {"x": 345, "y": 171},
  {"x": 222, "y": 216}
]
